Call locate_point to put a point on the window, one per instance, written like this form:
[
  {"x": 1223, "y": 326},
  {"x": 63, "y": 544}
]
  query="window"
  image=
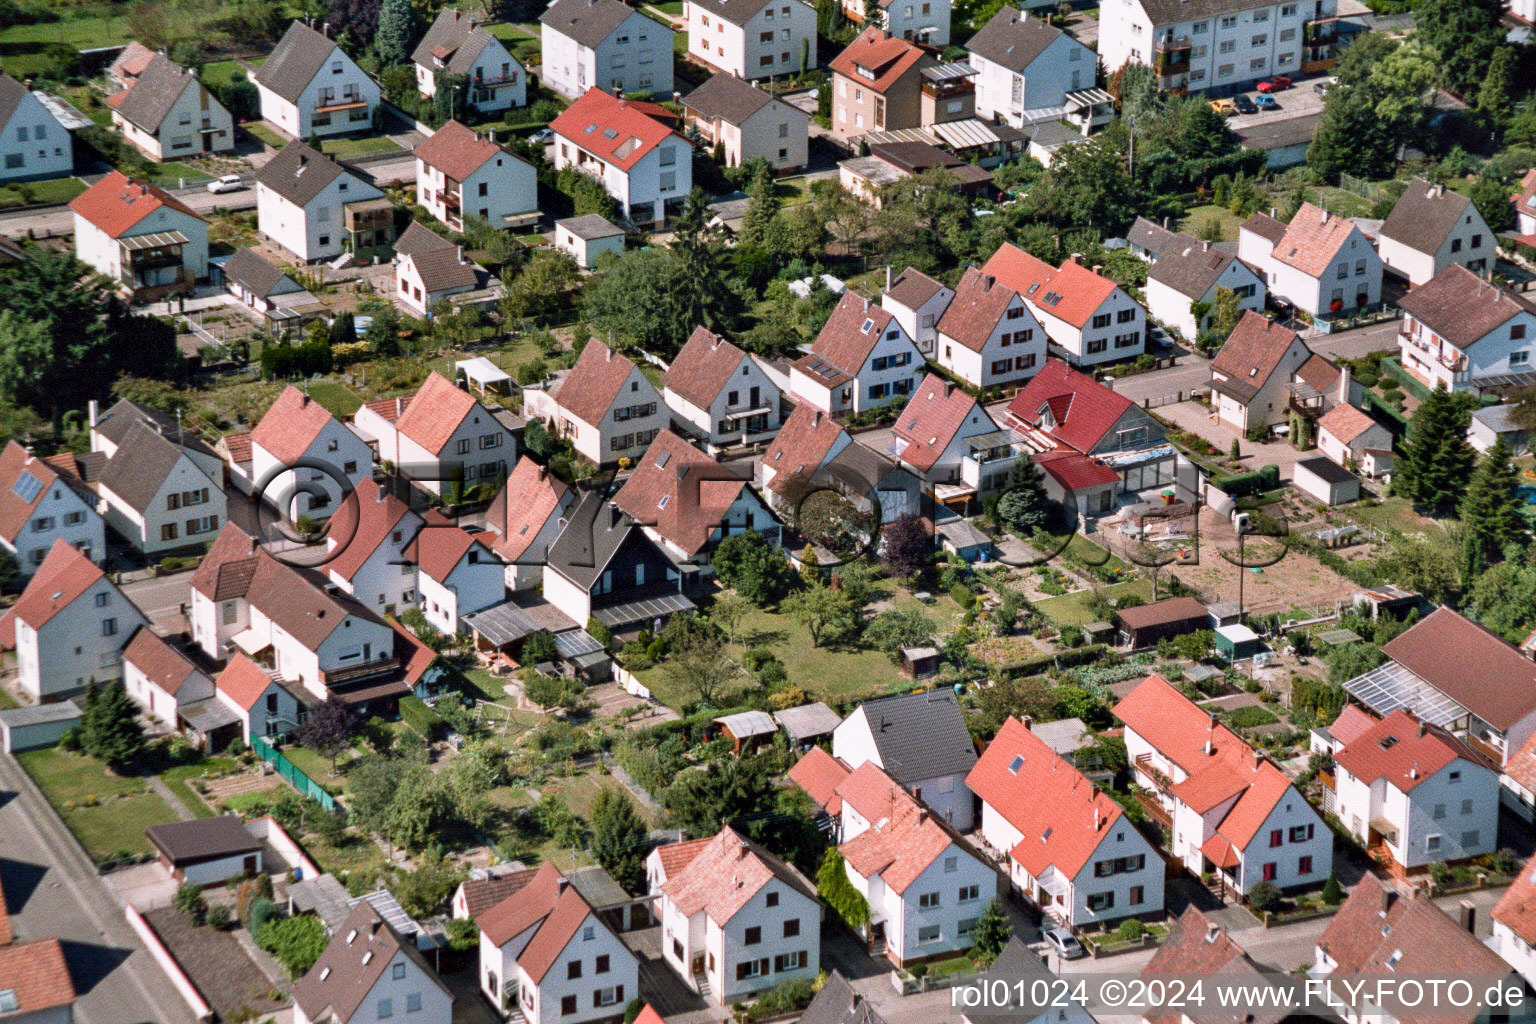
[
  {"x": 573, "y": 969},
  {"x": 1259, "y": 40},
  {"x": 772, "y": 899},
  {"x": 102, "y": 599},
  {"x": 1519, "y": 358},
  {"x": 790, "y": 961},
  {"x": 386, "y": 1008},
  {"x": 1477, "y": 240},
  {"x": 1257, "y": 64},
  {"x": 1229, "y": 21},
  {"x": 928, "y": 900},
  {"x": 1342, "y": 272},
  {"x": 1469, "y": 840},
  {"x": 792, "y": 928},
  {"x": 1287, "y": 34},
  {"x": 567, "y": 1005},
  {"x": 601, "y": 967},
  {"x": 397, "y": 971},
  {"x": 1301, "y": 833},
  {"x": 951, "y": 864},
  {"x": 109, "y": 627},
  {"x": 1125, "y": 316},
  {"x": 668, "y": 181},
  {"x": 1102, "y": 320},
  {"x": 1002, "y": 365},
  {"x": 462, "y": 446},
  {"x": 751, "y": 969},
  {"x": 1270, "y": 870},
  {"x": 969, "y": 892},
  {"x": 589, "y": 933},
  {"x": 928, "y": 933},
  {"x": 1360, "y": 267},
  {"x": 42, "y": 524},
  {"x": 1225, "y": 71},
  {"x": 413, "y": 1002},
  {"x": 74, "y": 518},
  {"x": 1227, "y": 46},
  {"x": 1454, "y": 776},
  {"x": 1432, "y": 844},
  {"x": 608, "y": 996},
  {"x": 1137, "y": 896},
  {"x": 1439, "y": 812},
  {"x": 754, "y": 935},
  {"x": 1101, "y": 900},
  {"x": 1455, "y": 245},
  {"x": 1098, "y": 345},
  {"x": 1260, "y": 16}
]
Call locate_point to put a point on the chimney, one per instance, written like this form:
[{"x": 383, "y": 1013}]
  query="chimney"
[
  {"x": 1413, "y": 773},
  {"x": 1098, "y": 818},
  {"x": 325, "y": 27},
  {"x": 461, "y": 254},
  {"x": 1098, "y": 268},
  {"x": 1212, "y": 931},
  {"x": 1258, "y": 758},
  {"x": 1423, "y": 728},
  {"x": 1344, "y": 382},
  {"x": 303, "y": 399},
  {"x": 613, "y": 514},
  {"x": 1273, "y": 213},
  {"x": 561, "y": 884},
  {"x": 90, "y": 412},
  {"x": 887, "y": 277},
  {"x": 1466, "y": 916},
  {"x": 1205, "y": 245},
  {"x": 399, "y": 407},
  {"x": 987, "y": 281},
  {"x": 610, "y": 355},
  {"x": 1388, "y": 894},
  {"x": 1029, "y": 723},
  {"x": 816, "y": 418},
  {"x": 383, "y": 491}
]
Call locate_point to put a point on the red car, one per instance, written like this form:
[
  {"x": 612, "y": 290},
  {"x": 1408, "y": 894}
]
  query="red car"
[{"x": 1275, "y": 84}]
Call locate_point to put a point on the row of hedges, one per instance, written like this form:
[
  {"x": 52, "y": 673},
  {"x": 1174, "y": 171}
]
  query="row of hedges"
[
  {"x": 415, "y": 713},
  {"x": 1068, "y": 658},
  {"x": 1393, "y": 367},
  {"x": 1240, "y": 485}
]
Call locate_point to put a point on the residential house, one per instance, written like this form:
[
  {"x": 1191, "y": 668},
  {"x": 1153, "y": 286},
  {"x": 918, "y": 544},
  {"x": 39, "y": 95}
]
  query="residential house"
[
  {"x": 1514, "y": 923},
  {"x": 158, "y": 495},
  {"x": 1088, "y": 317},
  {"x": 32, "y": 141},
  {"x": 129, "y": 63},
  {"x": 747, "y": 122},
  {"x": 628, "y": 145},
  {"x": 924, "y": 21},
  {"x": 1250, "y": 373},
  {"x": 1432, "y": 227},
  {"x": 1224, "y": 46},
  {"x": 838, "y": 1003},
  {"x": 892, "y": 160},
  {"x": 263, "y": 287},
  {"x": 862, "y": 359},
  {"x": 441, "y": 437},
  {"x": 934, "y": 435},
  {"x": 587, "y": 238},
  {"x": 1321, "y": 263},
  {"x": 430, "y": 270},
  {"x": 1525, "y": 204},
  {"x": 69, "y": 627},
  {"x": 1494, "y": 422},
  {"x": 749, "y": 39},
  {"x": 1018, "y": 961},
  {"x": 735, "y": 919},
  {"x": 1417, "y": 794},
  {"x": 1187, "y": 276},
  {"x": 457, "y": 44},
  {"x": 524, "y": 519},
  {"x": 921, "y": 741},
  {"x": 605, "y": 406},
  {"x": 1029, "y": 71},
  {"x": 38, "y": 989},
  {"x": 813, "y": 451},
  {"x": 1197, "y": 946},
  {"x": 367, "y": 541},
  {"x": 461, "y": 173},
  {"x": 1069, "y": 847},
  {"x": 1345, "y": 434},
  {"x": 143, "y": 239},
  {"x": 604, "y": 44},
  {"x": 370, "y": 973},
  {"x": 545, "y": 954},
  {"x": 316, "y": 209},
  {"x": 1231, "y": 812},
  {"x": 39, "y": 507},
  {"x": 309, "y": 86},
  {"x": 721, "y": 394},
  {"x": 456, "y": 573},
  {"x": 917, "y": 301},
  {"x": 878, "y": 85},
  {"x": 1459, "y": 330},
  {"x": 161, "y": 679},
  {"x": 988, "y": 337},
  {"x": 304, "y": 462},
  {"x": 486, "y": 887},
  {"x": 166, "y": 113},
  {"x": 688, "y": 503},
  {"x": 1148, "y": 240}
]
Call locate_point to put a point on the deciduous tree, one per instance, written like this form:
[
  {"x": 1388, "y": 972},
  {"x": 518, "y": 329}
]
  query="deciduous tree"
[{"x": 330, "y": 727}]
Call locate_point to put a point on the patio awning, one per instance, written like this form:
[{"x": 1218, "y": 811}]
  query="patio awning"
[
  {"x": 617, "y": 616},
  {"x": 207, "y": 715},
  {"x": 1390, "y": 687},
  {"x": 502, "y": 625},
  {"x": 153, "y": 240}
]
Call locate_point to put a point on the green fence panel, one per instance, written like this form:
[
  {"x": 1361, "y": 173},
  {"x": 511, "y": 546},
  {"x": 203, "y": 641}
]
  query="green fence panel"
[{"x": 291, "y": 772}]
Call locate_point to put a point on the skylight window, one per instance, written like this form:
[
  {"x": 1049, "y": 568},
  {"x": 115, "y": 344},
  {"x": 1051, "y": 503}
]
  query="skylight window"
[
  {"x": 26, "y": 487},
  {"x": 8, "y": 1001},
  {"x": 1018, "y": 762},
  {"x": 611, "y": 133},
  {"x": 868, "y": 323},
  {"x": 666, "y": 499},
  {"x": 590, "y": 129}
]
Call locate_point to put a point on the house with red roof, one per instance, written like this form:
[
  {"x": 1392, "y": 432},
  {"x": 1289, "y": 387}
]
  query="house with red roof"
[
  {"x": 366, "y": 541},
  {"x": 524, "y": 519},
  {"x": 162, "y": 679},
  {"x": 1087, "y": 317},
  {"x": 259, "y": 700},
  {"x": 144, "y": 240},
  {"x": 440, "y": 437},
  {"x": 1232, "y": 813},
  {"x": 461, "y": 173},
  {"x": 988, "y": 337},
  {"x": 547, "y": 956},
  {"x": 862, "y": 358},
  {"x": 1514, "y": 923},
  {"x": 1068, "y": 845},
  {"x": 735, "y": 919},
  {"x": 878, "y": 85},
  {"x": 946, "y": 439},
  {"x": 304, "y": 462},
  {"x": 456, "y": 573},
  {"x": 69, "y": 626},
  {"x": 40, "y": 505},
  {"x": 1321, "y": 262},
  {"x": 604, "y": 406},
  {"x": 722, "y": 394},
  {"x": 1417, "y": 794},
  {"x": 1345, "y": 434},
  {"x": 1252, "y": 369},
  {"x": 1525, "y": 205},
  {"x": 35, "y": 987},
  {"x": 631, "y": 147},
  {"x": 1458, "y": 328}
]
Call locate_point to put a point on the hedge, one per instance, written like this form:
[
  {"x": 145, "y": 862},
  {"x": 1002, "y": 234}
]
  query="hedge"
[
  {"x": 1392, "y": 367},
  {"x": 1240, "y": 485},
  {"x": 1069, "y": 658},
  {"x": 415, "y": 713}
]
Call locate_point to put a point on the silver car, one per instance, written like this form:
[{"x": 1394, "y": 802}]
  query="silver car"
[{"x": 1064, "y": 943}]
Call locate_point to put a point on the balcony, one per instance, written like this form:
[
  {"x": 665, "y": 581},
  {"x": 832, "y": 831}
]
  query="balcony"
[
  {"x": 369, "y": 215},
  {"x": 330, "y": 104},
  {"x": 949, "y": 81},
  {"x": 492, "y": 81},
  {"x": 1171, "y": 56},
  {"x": 1152, "y": 773},
  {"x": 1320, "y": 32},
  {"x": 353, "y": 673}
]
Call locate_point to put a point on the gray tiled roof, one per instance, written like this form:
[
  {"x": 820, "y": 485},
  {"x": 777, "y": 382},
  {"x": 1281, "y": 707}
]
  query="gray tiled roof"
[
  {"x": 1424, "y": 215},
  {"x": 295, "y": 61},
  {"x": 1190, "y": 267},
  {"x": 156, "y": 91},
  {"x": 247, "y": 269},
  {"x": 727, "y": 97},
  {"x": 298, "y": 173},
  {"x": 588, "y": 22},
  {"x": 838, "y": 1003},
  {"x": 140, "y": 466},
  {"x": 920, "y": 735},
  {"x": 1013, "y": 38},
  {"x": 455, "y": 36},
  {"x": 11, "y": 94}
]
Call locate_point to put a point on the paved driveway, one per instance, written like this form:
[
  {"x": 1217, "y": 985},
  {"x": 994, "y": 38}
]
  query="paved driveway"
[{"x": 1188, "y": 372}]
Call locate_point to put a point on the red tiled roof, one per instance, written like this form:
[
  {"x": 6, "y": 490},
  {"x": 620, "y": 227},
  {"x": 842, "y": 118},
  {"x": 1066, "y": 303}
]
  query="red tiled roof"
[
  {"x": 979, "y": 303},
  {"x": 440, "y": 546},
  {"x": 1062, "y": 816},
  {"x": 389, "y": 409},
  {"x": 291, "y": 425},
  {"x": 931, "y": 420},
  {"x": 702, "y": 369},
  {"x": 649, "y": 1016},
  {"x": 1076, "y": 472},
  {"x": 16, "y": 512},
  {"x": 1312, "y": 240},
  {"x": 237, "y": 446},
  {"x": 844, "y": 340},
  {"x": 161, "y": 663},
  {"x": 481, "y": 894},
  {"x": 903, "y": 837},
  {"x": 363, "y": 523},
  {"x": 6, "y": 935},
  {"x": 416, "y": 656},
  {"x": 725, "y": 875},
  {"x": 620, "y": 132},
  {"x": 676, "y": 856},
  {"x": 435, "y": 412},
  {"x": 116, "y": 203},
  {"x": 1404, "y": 751},
  {"x": 675, "y": 491},
  {"x": 593, "y": 384},
  {"x": 1461, "y": 307},
  {"x": 1071, "y": 293},
  {"x": 1525, "y": 199},
  {"x": 819, "y": 774},
  {"x": 456, "y": 150},
  {"x": 531, "y": 496},
  {"x": 227, "y": 568},
  {"x": 886, "y": 58},
  {"x": 1319, "y": 372},
  {"x": 549, "y": 903},
  {"x": 1084, "y": 409},
  {"x": 1352, "y": 721},
  {"x": 1516, "y": 909},
  {"x": 63, "y": 577},
  {"x": 1345, "y": 422},
  {"x": 1470, "y": 664},
  {"x": 243, "y": 680},
  {"x": 1253, "y": 350},
  {"x": 38, "y": 975},
  {"x": 804, "y": 442}
]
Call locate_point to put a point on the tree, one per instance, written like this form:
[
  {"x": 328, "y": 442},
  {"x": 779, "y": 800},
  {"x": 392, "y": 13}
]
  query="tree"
[
  {"x": 1264, "y": 896},
  {"x": 753, "y": 567},
  {"x": 1226, "y": 311},
  {"x": 539, "y": 647},
  {"x": 1491, "y": 511},
  {"x": 240, "y": 97},
  {"x": 833, "y": 886},
  {"x": 450, "y": 94},
  {"x": 619, "y": 837},
  {"x": 354, "y": 20},
  {"x": 728, "y": 611},
  {"x": 1376, "y": 104},
  {"x": 907, "y": 546},
  {"x": 702, "y": 663},
  {"x": 1024, "y": 507},
  {"x": 329, "y": 728},
  {"x": 296, "y": 942},
  {"x": 1436, "y": 460},
  {"x": 1464, "y": 35},
  {"x": 991, "y": 932},
  {"x": 109, "y": 726},
  {"x": 343, "y": 329},
  {"x": 538, "y": 290},
  {"x": 826, "y": 614},
  {"x": 729, "y": 792},
  {"x": 396, "y": 35},
  {"x": 762, "y": 208},
  {"x": 897, "y": 628},
  {"x": 1491, "y": 197},
  {"x": 1504, "y": 599},
  {"x": 1087, "y": 185},
  {"x": 1333, "y": 892}
]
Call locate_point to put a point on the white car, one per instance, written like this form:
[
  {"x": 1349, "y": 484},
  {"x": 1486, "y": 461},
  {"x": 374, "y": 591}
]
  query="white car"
[{"x": 226, "y": 183}]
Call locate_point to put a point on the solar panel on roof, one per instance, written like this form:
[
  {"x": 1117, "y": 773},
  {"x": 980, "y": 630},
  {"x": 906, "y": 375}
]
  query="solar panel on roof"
[{"x": 26, "y": 487}]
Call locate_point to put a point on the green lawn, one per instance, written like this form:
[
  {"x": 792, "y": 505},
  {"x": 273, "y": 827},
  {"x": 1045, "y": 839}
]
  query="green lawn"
[
  {"x": 179, "y": 781},
  {"x": 335, "y": 396},
  {"x": 354, "y": 853},
  {"x": 511, "y": 32},
  {"x": 318, "y": 767},
  {"x": 350, "y": 148},
  {"x": 122, "y": 810},
  {"x": 50, "y": 191},
  {"x": 671, "y": 8},
  {"x": 6, "y": 700},
  {"x": 265, "y": 134},
  {"x": 1199, "y": 215},
  {"x": 117, "y": 827},
  {"x": 218, "y": 72},
  {"x": 23, "y": 47},
  {"x": 169, "y": 173},
  {"x": 1076, "y": 609}
]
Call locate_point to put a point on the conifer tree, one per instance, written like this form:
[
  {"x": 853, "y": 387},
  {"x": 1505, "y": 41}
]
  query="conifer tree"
[
  {"x": 1490, "y": 512},
  {"x": 1437, "y": 461}
]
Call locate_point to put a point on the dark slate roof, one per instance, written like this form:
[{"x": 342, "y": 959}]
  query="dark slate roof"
[
  {"x": 417, "y": 238},
  {"x": 1330, "y": 471},
  {"x": 588, "y": 22},
  {"x": 247, "y": 269},
  {"x": 298, "y": 173},
  {"x": 202, "y": 838},
  {"x": 151, "y": 97},
  {"x": 11, "y": 94},
  {"x": 920, "y": 735},
  {"x": 359, "y": 953},
  {"x": 295, "y": 61},
  {"x": 1152, "y": 237},
  {"x": 454, "y": 39},
  {"x": 1190, "y": 267},
  {"x": 1013, "y": 38},
  {"x": 1165, "y": 12},
  {"x": 442, "y": 270},
  {"x": 590, "y": 226},
  {"x": 141, "y": 464},
  {"x": 1424, "y": 215},
  {"x": 592, "y": 536},
  {"x": 728, "y": 98},
  {"x": 737, "y": 12},
  {"x": 1017, "y": 962},
  {"x": 117, "y": 422},
  {"x": 838, "y": 1003}
]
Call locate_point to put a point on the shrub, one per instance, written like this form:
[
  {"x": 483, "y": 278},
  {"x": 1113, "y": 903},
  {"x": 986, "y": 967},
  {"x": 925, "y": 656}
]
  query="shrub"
[
  {"x": 599, "y": 632},
  {"x": 785, "y": 997},
  {"x": 220, "y": 916},
  {"x": 918, "y": 971},
  {"x": 296, "y": 942},
  {"x": 1131, "y": 929},
  {"x": 189, "y": 900},
  {"x": 262, "y": 911},
  {"x": 415, "y": 713},
  {"x": 463, "y": 935},
  {"x": 1333, "y": 892},
  {"x": 962, "y": 595},
  {"x": 1264, "y": 896}
]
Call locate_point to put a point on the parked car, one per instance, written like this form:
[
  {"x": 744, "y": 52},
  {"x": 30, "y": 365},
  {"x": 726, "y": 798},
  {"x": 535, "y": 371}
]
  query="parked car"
[
  {"x": 226, "y": 183},
  {"x": 1321, "y": 88},
  {"x": 542, "y": 135},
  {"x": 1064, "y": 943},
  {"x": 1264, "y": 101},
  {"x": 1276, "y": 84},
  {"x": 1226, "y": 108},
  {"x": 1243, "y": 104}
]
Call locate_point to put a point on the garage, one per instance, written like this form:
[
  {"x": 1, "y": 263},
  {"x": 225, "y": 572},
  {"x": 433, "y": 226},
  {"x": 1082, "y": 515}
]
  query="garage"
[
  {"x": 32, "y": 728},
  {"x": 207, "y": 851},
  {"x": 1325, "y": 481}
]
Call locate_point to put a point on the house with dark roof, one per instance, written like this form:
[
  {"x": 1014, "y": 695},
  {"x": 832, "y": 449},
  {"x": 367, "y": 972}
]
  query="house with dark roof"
[
  {"x": 604, "y": 44},
  {"x": 461, "y": 173},
  {"x": 33, "y": 144},
  {"x": 1432, "y": 227},
  {"x": 309, "y": 86},
  {"x": 1068, "y": 845},
  {"x": 296, "y": 435},
  {"x": 457, "y": 44},
  {"x": 1321, "y": 262},
  {"x": 632, "y": 147},
  {"x": 838, "y": 1003},
  {"x": 587, "y": 238},
  {"x": 1465, "y": 334},
  {"x": 862, "y": 358},
  {"x": 1231, "y": 811},
  {"x": 157, "y": 495},
  {"x": 1027, "y": 70},
  {"x": 546, "y": 955},
  {"x": 604, "y": 406},
  {"x": 430, "y": 270},
  {"x": 147, "y": 242},
  {"x": 524, "y": 519},
  {"x": 69, "y": 626},
  {"x": 988, "y": 336},
  {"x": 162, "y": 679},
  {"x": 917, "y": 301},
  {"x": 315, "y": 208},
  {"x": 166, "y": 113},
  {"x": 744, "y": 121},
  {"x": 813, "y": 451},
  {"x": 747, "y": 39},
  {"x": 877, "y": 85},
  {"x": 206, "y": 851},
  {"x": 722, "y": 395},
  {"x": 1188, "y": 274},
  {"x": 735, "y": 919},
  {"x": 1252, "y": 369},
  {"x": 370, "y": 973},
  {"x": 924, "y": 22},
  {"x": 950, "y": 443},
  {"x": 1514, "y": 923},
  {"x": 439, "y": 437},
  {"x": 41, "y": 505},
  {"x": 921, "y": 741},
  {"x": 262, "y": 286},
  {"x": 1087, "y": 317}
]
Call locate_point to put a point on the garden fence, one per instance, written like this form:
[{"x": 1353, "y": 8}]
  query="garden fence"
[{"x": 288, "y": 770}]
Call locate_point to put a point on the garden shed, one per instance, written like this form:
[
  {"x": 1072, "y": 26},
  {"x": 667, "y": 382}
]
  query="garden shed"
[
  {"x": 1237, "y": 642},
  {"x": 1146, "y": 624},
  {"x": 1324, "y": 480},
  {"x": 207, "y": 851},
  {"x": 919, "y": 662},
  {"x": 747, "y": 729},
  {"x": 35, "y": 727}
]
